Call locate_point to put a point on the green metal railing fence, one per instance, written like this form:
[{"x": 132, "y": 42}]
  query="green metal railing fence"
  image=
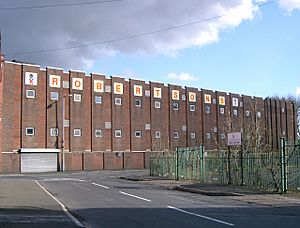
[{"x": 271, "y": 171}]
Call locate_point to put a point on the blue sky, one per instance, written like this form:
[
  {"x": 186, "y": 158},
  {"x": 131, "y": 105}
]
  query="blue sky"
[
  {"x": 253, "y": 50},
  {"x": 260, "y": 57}
]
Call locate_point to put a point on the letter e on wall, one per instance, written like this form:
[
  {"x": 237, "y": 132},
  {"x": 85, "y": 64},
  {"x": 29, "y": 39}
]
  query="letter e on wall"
[{"x": 118, "y": 88}]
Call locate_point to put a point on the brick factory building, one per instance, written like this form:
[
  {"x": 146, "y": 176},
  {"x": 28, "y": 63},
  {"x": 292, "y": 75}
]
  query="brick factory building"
[{"x": 113, "y": 123}]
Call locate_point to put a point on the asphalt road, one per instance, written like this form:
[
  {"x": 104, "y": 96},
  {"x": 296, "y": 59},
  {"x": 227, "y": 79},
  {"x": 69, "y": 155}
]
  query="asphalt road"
[{"x": 102, "y": 199}]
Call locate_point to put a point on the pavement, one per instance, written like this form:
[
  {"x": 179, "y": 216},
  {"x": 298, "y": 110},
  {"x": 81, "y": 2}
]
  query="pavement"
[
  {"x": 23, "y": 203},
  {"x": 238, "y": 193}
]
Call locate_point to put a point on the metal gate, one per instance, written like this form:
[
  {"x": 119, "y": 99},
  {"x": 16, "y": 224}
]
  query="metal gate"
[
  {"x": 290, "y": 166},
  {"x": 39, "y": 160}
]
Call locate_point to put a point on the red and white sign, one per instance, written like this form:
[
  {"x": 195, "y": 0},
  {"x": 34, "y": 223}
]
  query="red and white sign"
[
  {"x": 77, "y": 83},
  {"x": 138, "y": 90},
  {"x": 192, "y": 97},
  {"x": 234, "y": 139},
  {"x": 118, "y": 88},
  {"x": 221, "y": 100},
  {"x": 54, "y": 81},
  {"x": 30, "y": 78},
  {"x": 156, "y": 92},
  {"x": 175, "y": 95},
  {"x": 98, "y": 86},
  {"x": 207, "y": 99}
]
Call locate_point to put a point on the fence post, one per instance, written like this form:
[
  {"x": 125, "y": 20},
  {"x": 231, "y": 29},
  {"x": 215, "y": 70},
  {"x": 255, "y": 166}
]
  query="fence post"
[
  {"x": 177, "y": 163},
  {"x": 202, "y": 163},
  {"x": 283, "y": 166}
]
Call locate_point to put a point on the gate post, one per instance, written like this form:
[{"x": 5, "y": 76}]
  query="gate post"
[
  {"x": 202, "y": 163},
  {"x": 283, "y": 166},
  {"x": 177, "y": 163}
]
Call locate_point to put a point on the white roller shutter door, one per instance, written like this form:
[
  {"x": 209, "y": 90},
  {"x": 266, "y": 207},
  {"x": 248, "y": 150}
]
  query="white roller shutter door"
[{"x": 38, "y": 162}]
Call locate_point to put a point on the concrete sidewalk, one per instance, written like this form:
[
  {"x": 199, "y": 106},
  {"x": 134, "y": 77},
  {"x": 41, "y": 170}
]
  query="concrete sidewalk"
[
  {"x": 23, "y": 203},
  {"x": 238, "y": 193}
]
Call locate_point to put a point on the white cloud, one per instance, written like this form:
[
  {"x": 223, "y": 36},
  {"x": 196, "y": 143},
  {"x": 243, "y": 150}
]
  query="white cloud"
[
  {"x": 290, "y": 5},
  {"x": 182, "y": 77},
  {"x": 298, "y": 91},
  {"x": 39, "y": 29}
]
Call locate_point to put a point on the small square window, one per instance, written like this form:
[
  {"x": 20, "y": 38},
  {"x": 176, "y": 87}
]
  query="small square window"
[
  {"x": 176, "y": 134},
  {"x": 157, "y": 134},
  {"x": 247, "y": 113},
  {"x": 29, "y": 131},
  {"x": 214, "y": 101},
  {"x": 53, "y": 132},
  {"x": 54, "y": 96},
  {"x": 235, "y": 112},
  {"x": 193, "y": 135},
  {"x": 222, "y": 136},
  {"x": 258, "y": 114},
  {"x": 208, "y": 136},
  {"x": 282, "y": 110},
  {"x": 98, "y": 99},
  {"x": 192, "y": 108},
  {"x": 77, "y": 132},
  {"x": 175, "y": 106},
  {"x": 118, "y": 133},
  {"x": 215, "y": 129},
  {"x": 30, "y": 93},
  {"x": 222, "y": 111},
  {"x": 157, "y": 104},
  {"x": 138, "y": 134},
  {"x": 207, "y": 109},
  {"x": 183, "y": 97},
  {"x": 77, "y": 97},
  {"x": 241, "y": 104},
  {"x": 118, "y": 101},
  {"x": 137, "y": 102},
  {"x": 98, "y": 133}
]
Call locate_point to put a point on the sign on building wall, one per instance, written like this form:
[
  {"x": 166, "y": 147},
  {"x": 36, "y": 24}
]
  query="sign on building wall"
[
  {"x": 118, "y": 88},
  {"x": 175, "y": 95},
  {"x": 221, "y": 100},
  {"x": 235, "y": 102},
  {"x": 138, "y": 90},
  {"x": 30, "y": 78},
  {"x": 207, "y": 98},
  {"x": 98, "y": 86},
  {"x": 156, "y": 92},
  {"x": 234, "y": 139},
  {"x": 77, "y": 83},
  {"x": 54, "y": 81},
  {"x": 192, "y": 97}
]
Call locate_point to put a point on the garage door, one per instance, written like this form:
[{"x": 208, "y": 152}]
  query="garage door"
[{"x": 38, "y": 162}]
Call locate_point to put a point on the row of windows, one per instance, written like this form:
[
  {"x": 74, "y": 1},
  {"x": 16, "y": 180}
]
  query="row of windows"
[
  {"x": 137, "y": 103},
  {"x": 30, "y": 131}
]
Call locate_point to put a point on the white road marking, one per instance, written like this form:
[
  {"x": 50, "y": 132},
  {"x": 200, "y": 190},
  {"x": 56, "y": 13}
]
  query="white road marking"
[
  {"x": 127, "y": 194},
  {"x": 201, "y": 216},
  {"x": 63, "y": 179},
  {"x": 99, "y": 185},
  {"x": 75, "y": 220}
]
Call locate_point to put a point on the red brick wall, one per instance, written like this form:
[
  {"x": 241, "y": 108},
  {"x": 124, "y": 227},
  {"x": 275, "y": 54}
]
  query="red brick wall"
[
  {"x": 160, "y": 118},
  {"x": 121, "y": 117},
  {"x": 194, "y": 118},
  {"x": 177, "y": 120},
  {"x": 139, "y": 117}
]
